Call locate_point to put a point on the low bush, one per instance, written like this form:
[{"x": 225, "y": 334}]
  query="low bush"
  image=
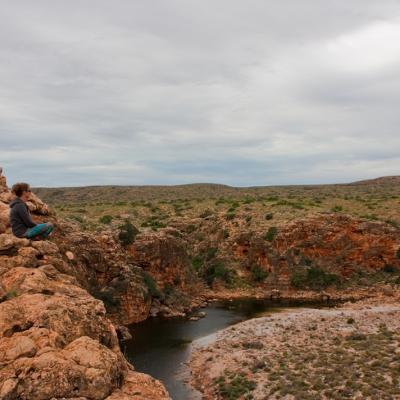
[
  {"x": 107, "y": 296},
  {"x": 271, "y": 233},
  {"x": 230, "y": 216},
  {"x": 211, "y": 253},
  {"x": 390, "y": 269},
  {"x": 218, "y": 270},
  {"x": 313, "y": 278},
  {"x": 258, "y": 274},
  {"x": 106, "y": 219},
  {"x": 235, "y": 387},
  {"x": 269, "y": 216},
  {"x": 151, "y": 285},
  {"x": 127, "y": 233},
  {"x": 197, "y": 262}
]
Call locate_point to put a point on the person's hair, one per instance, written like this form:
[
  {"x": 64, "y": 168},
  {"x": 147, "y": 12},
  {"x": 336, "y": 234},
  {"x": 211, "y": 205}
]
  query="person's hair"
[{"x": 19, "y": 188}]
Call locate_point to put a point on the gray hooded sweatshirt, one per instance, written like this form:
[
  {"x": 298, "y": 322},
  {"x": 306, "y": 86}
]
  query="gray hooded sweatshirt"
[{"x": 20, "y": 218}]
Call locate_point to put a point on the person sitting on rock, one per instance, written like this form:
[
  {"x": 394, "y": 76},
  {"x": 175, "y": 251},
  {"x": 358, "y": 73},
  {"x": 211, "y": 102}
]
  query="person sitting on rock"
[{"x": 20, "y": 219}]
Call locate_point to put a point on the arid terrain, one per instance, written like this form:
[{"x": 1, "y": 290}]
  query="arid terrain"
[
  {"x": 349, "y": 352},
  {"x": 123, "y": 254}
]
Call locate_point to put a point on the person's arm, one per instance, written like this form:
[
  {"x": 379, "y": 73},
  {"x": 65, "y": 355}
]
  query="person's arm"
[{"x": 25, "y": 215}]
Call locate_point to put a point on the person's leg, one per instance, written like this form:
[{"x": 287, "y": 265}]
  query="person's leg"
[
  {"x": 50, "y": 228},
  {"x": 39, "y": 230}
]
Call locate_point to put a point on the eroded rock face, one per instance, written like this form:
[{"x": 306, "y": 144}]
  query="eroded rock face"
[
  {"x": 335, "y": 243},
  {"x": 164, "y": 256},
  {"x": 106, "y": 271},
  {"x": 56, "y": 341}
]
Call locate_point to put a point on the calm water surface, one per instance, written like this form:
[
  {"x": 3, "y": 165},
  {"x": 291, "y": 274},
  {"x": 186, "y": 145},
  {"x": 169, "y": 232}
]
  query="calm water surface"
[{"x": 160, "y": 347}]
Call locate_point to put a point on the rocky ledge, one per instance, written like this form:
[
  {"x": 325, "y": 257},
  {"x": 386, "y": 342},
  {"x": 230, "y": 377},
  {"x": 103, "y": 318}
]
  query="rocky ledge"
[
  {"x": 55, "y": 339},
  {"x": 341, "y": 353}
]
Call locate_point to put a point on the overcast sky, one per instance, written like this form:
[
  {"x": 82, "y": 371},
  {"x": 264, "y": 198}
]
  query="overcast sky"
[{"x": 253, "y": 92}]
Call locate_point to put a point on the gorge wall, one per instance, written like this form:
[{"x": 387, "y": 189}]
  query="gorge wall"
[
  {"x": 63, "y": 302},
  {"x": 56, "y": 340}
]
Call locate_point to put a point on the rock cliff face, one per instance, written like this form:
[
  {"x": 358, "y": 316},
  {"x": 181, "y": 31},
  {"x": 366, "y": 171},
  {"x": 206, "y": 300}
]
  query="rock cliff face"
[
  {"x": 106, "y": 271},
  {"x": 334, "y": 243},
  {"x": 164, "y": 256},
  {"x": 56, "y": 341}
]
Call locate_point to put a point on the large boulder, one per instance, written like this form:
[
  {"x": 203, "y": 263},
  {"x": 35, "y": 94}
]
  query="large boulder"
[{"x": 84, "y": 368}]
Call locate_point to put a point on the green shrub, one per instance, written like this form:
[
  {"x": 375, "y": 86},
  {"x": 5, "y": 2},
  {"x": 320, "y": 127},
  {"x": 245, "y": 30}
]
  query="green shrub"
[
  {"x": 230, "y": 216},
  {"x": 269, "y": 216},
  {"x": 107, "y": 296},
  {"x": 235, "y": 387},
  {"x": 337, "y": 208},
  {"x": 258, "y": 274},
  {"x": 151, "y": 285},
  {"x": 271, "y": 233},
  {"x": 105, "y": 219},
  {"x": 390, "y": 269},
  {"x": 218, "y": 270},
  {"x": 211, "y": 253},
  {"x": 127, "y": 233},
  {"x": 313, "y": 278},
  {"x": 197, "y": 262}
]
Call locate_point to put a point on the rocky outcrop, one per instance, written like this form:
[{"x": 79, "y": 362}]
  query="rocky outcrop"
[
  {"x": 164, "y": 256},
  {"x": 336, "y": 243},
  {"x": 107, "y": 271},
  {"x": 56, "y": 341}
]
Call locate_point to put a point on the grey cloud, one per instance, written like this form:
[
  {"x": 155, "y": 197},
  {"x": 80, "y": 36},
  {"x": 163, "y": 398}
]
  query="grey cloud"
[{"x": 243, "y": 93}]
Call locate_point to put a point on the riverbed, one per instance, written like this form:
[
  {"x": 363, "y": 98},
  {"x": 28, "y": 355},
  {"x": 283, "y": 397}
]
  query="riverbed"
[{"x": 161, "y": 347}]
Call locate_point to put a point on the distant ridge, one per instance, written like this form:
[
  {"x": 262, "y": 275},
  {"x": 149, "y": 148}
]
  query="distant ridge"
[
  {"x": 381, "y": 181},
  {"x": 113, "y": 193}
]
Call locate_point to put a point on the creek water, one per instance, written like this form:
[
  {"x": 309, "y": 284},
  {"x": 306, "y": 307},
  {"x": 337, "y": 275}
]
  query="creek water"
[{"x": 161, "y": 347}]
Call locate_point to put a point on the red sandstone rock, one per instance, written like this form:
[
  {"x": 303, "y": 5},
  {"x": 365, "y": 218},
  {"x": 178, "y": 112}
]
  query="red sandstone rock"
[{"x": 56, "y": 341}]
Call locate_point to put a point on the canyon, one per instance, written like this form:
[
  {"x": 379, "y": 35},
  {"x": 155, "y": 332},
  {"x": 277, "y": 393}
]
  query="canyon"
[{"x": 65, "y": 302}]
